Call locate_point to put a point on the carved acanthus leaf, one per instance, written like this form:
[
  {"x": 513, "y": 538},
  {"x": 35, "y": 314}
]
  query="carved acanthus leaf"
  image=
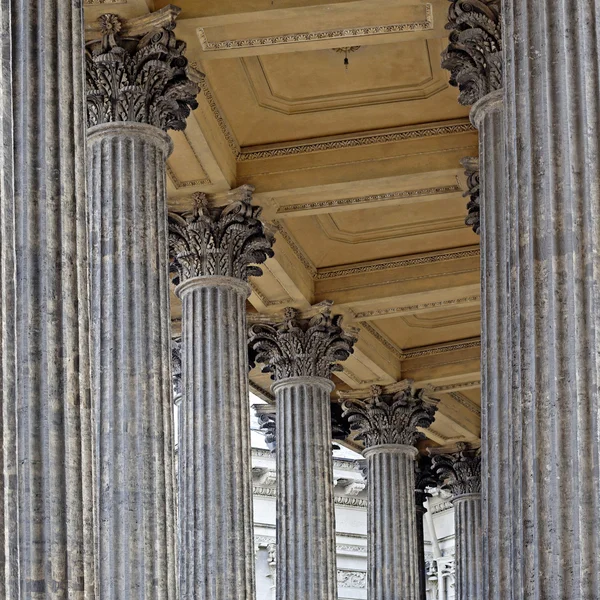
[
  {"x": 298, "y": 347},
  {"x": 227, "y": 240},
  {"x": 460, "y": 472},
  {"x": 424, "y": 478},
  {"x": 471, "y": 166},
  {"x": 140, "y": 79},
  {"x": 474, "y": 55},
  {"x": 176, "y": 374},
  {"x": 390, "y": 418}
]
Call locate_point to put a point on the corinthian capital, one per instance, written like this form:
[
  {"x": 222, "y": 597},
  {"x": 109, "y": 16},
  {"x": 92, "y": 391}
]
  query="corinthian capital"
[
  {"x": 389, "y": 415},
  {"x": 424, "y": 478},
  {"x": 471, "y": 166},
  {"x": 459, "y": 471},
  {"x": 137, "y": 72},
  {"x": 225, "y": 240},
  {"x": 301, "y": 347},
  {"x": 474, "y": 55}
]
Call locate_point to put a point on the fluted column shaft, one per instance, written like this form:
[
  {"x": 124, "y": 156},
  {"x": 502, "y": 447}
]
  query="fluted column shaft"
[
  {"x": 306, "y": 554},
  {"x": 488, "y": 116},
  {"x": 46, "y": 504},
  {"x": 215, "y": 493},
  {"x": 131, "y": 350},
  {"x": 392, "y": 530},
  {"x": 467, "y": 528},
  {"x": 552, "y": 100},
  {"x": 420, "y": 514}
]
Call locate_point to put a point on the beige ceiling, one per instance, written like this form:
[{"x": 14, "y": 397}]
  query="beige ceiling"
[{"x": 358, "y": 172}]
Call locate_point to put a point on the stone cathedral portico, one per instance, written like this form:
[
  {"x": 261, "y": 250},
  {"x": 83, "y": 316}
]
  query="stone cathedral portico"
[{"x": 228, "y": 196}]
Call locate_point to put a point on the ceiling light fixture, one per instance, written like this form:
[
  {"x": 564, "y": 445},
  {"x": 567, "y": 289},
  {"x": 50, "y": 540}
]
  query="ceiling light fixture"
[{"x": 345, "y": 50}]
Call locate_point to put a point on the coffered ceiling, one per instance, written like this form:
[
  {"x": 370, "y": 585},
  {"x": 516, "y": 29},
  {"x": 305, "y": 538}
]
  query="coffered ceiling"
[{"x": 357, "y": 169}]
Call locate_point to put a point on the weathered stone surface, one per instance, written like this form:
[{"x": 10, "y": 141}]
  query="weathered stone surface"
[
  {"x": 551, "y": 424},
  {"x": 131, "y": 344},
  {"x": 459, "y": 471},
  {"x": 471, "y": 166},
  {"x": 46, "y": 504},
  {"x": 214, "y": 250},
  {"x": 424, "y": 478},
  {"x": 386, "y": 419},
  {"x": 139, "y": 78},
  {"x": 301, "y": 353},
  {"x": 474, "y": 55}
]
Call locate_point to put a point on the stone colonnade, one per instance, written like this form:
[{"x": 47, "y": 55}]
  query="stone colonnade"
[
  {"x": 301, "y": 353},
  {"x": 386, "y": 420}
]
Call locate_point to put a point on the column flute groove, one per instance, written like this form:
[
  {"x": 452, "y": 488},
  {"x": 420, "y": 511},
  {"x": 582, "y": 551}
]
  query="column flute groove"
[
  {"x": 386, "y": 419},
  {"x": 129, "y": 77},
  {"x": 214, "y": 250},
  {"x": 301, "y": 353},
  {"x": 46, "y": 455}
]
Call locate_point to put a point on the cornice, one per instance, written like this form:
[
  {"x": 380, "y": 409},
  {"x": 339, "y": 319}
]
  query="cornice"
[
  {"x": 368, "y": 199},
  {"x": 316, "y": 36},
  {"x": 457, "y": 386},
  {"x": 398, "y": 310},
  {"x": 415, "y": 260},
  {"x": 250, "y": 153},
  {"x": 98, "y": 2},
  {"x": 464, "y": 401},
  {"x": 295, "y": 247}
]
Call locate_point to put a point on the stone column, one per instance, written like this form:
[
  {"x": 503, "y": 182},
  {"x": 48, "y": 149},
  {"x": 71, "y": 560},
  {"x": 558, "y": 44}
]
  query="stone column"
[
  {"x": 424, "y": 478},
  {"x": 301, "y": 354},
  {"x": 137, "y": 89},
  {"x": 386, "y": 420},
  {"x": 460, "y": 472},
  {"x": 212, "y": 250},
  {"x": 474, "y": 58},
  {"x": 552, "y": 104},
  {"x": 46, "y": 504}
]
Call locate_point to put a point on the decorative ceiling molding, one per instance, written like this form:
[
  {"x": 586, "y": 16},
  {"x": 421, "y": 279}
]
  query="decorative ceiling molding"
[
  {"x": 464, "y": 401},
  {"x": 457, "y": 386},
  {"x": 369, "y": 199},
  {"x": 95, "y": 2},
  {"x": 366, "y": 139},
  {"x": 295, "y": 247},
  {"x": 415, "y": 260},
  {"x": 399, "y": 310},
  {"x": 316, "y": 36},
  {"x": 332, "y": 230},
  {"x": 265, "y": 300},
  {"x": 439, "y": 321},
  {"x": 185, "y": 184},
  {"x": 419, "y": 352}
]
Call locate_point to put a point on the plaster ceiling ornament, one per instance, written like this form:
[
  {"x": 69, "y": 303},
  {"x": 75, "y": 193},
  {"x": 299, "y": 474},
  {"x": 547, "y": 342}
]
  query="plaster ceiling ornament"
[
  {"x": 474, "y": 55},
  {"x": 301, "y": 347},
  {"x": 471, "y": 166},
  {"x": 389, "y": 415},
  {"x": 228, "y": 240},
  {"x": 140, "y": 79},
  {"x": 459, "y": 472}
]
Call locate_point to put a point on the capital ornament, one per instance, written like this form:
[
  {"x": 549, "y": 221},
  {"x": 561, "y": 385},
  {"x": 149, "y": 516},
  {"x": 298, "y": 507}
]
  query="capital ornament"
[
  {"x": 474, "y": 55},
  {"x": 471, "y": 166},
  {"x": 138, "y": 78},
  {"x": 176, "y": 367},
  {"x": 424, "y": 478},
  {"x": 229, "y": 240},
  {"x": 301, "y": 347},
  {"x": 460, "y": 472},
  {"x": 389, "y": 415}
]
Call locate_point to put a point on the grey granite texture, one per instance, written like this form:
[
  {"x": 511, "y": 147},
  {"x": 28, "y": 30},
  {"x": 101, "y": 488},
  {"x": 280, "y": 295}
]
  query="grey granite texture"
[
  {"x": 306, "y": 554},
  {"x": 131, "y": 348},
  {"x": 301, "y": 353},
  {"x": 460, "y": 472},
  {"x": 215, "y": 249},
  {"x": 386, "y": 420},
  {"x": 552, "y": 105},
  {"x": 46, "y": 497}
]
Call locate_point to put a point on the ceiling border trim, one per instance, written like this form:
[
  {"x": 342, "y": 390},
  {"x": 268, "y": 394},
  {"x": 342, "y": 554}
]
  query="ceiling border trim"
[
  {"x": 397, "y": 310},
  {"x": 316, "y": 36}
]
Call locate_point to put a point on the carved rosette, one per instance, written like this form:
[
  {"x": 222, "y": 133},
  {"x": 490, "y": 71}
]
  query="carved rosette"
[
  {"x": 227, "y": 241},
  {"x": 138, "y": 78},
  {"x": 460, "y": 472},
  {"x": 299, "y": 347},
  {"x": 471, "y": 166},
  {"x": 474, "y": 55},
  {"x": 390, "y": 417}
]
